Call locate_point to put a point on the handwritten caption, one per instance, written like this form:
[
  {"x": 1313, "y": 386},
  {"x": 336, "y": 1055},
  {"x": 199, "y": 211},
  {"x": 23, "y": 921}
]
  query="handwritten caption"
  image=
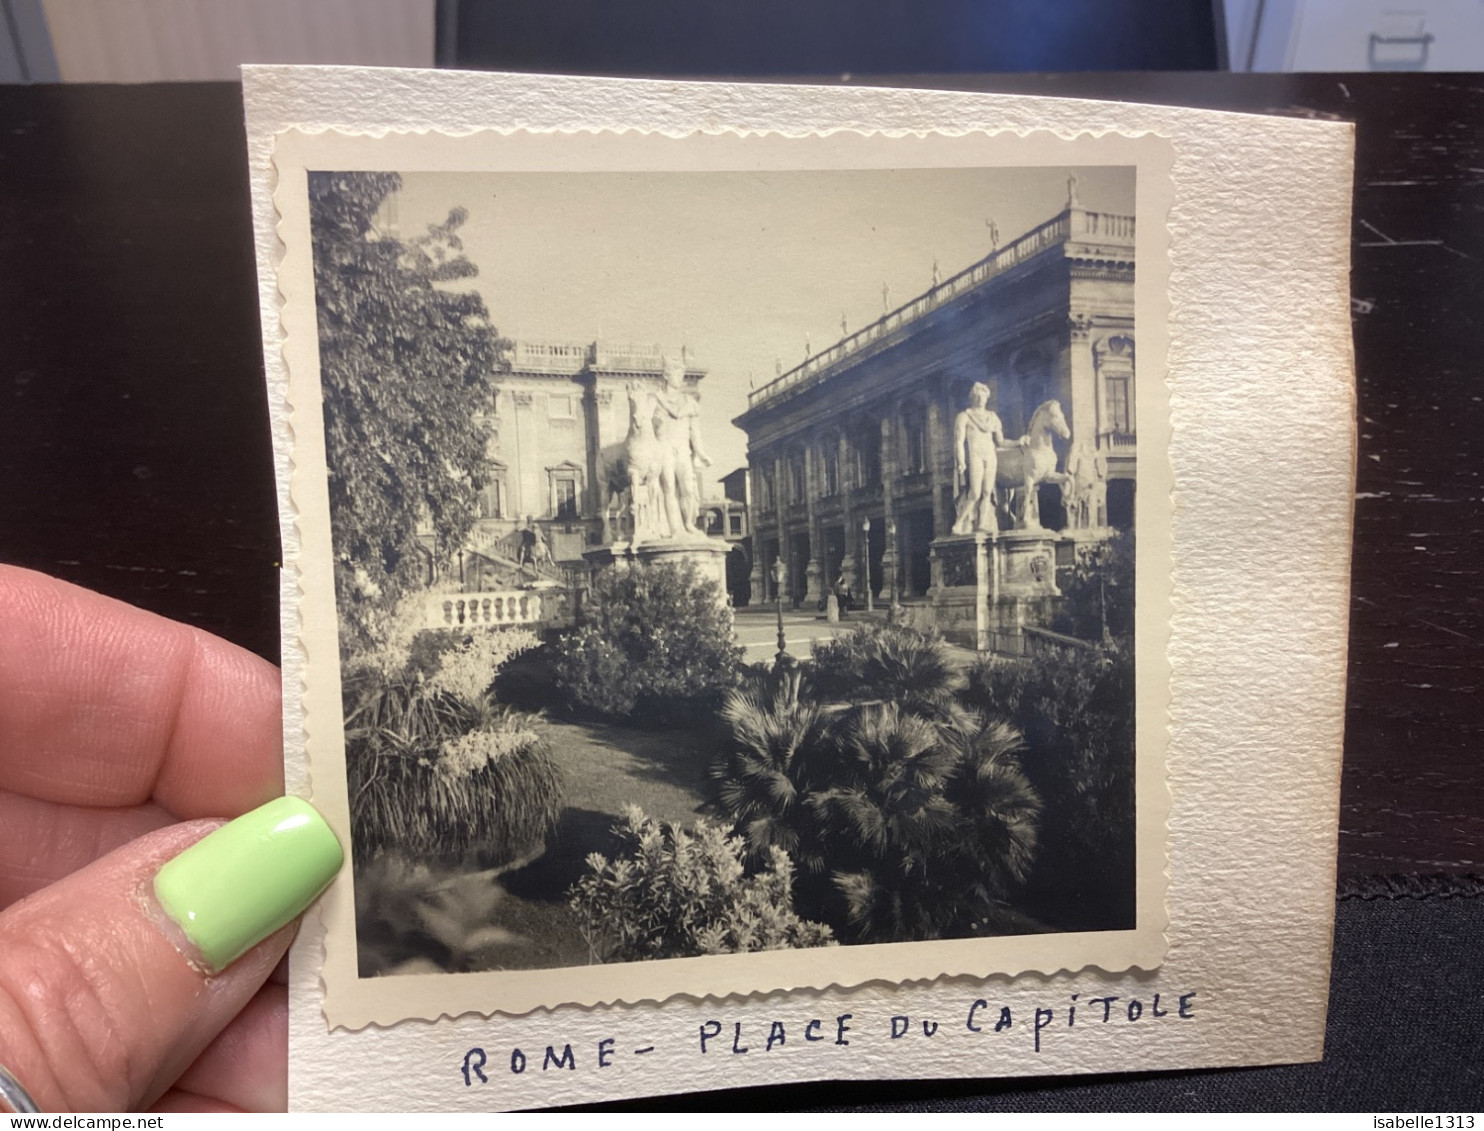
[{"x": 1036, "y": 1027}]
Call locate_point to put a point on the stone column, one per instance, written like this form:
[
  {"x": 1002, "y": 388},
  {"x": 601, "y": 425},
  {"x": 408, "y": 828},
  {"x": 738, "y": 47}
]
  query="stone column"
[
  {"x": 529, "y": 489},
  {"x": 890, "y": 466},
  {"x": 940, "y": 474},
  {"x": 758, "y": 579},
  {"x": 596, "y": 407},
  {"x": 781, "y": 499},
  {"x": 847, "y": 509},
  {"x": 813, "y": 589}
]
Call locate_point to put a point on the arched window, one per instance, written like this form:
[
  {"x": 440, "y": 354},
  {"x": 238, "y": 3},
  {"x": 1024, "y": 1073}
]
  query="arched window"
[
  {"x": 914, "y": 438},
  {"x": 798, "y": 490},
  {"x": 1033, "y": 378},
  {"x": 1114, "y": 358},
  {"x": 829, "y": 452},
  {"x": 865, "y": 443}
]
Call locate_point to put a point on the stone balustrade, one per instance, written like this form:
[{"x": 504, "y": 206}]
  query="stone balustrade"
[
  {"x": 573, "y": 357},
  {"x": 549, "y": 357},
  {"x": 484, "y": 610}
]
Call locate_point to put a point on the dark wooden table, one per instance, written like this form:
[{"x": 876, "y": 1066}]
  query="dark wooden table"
[
  {"x": 134, "y": 446},
  {"x": 135, "y": 459}
]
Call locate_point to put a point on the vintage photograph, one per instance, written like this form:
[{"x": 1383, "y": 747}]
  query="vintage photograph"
[{"x": 728, "y": 562}]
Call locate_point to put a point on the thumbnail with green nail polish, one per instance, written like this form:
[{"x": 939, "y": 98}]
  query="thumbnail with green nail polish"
[{"x": 238, "y": 885}]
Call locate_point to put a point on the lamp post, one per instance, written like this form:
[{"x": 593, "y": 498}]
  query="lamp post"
[
  {"x": 891, "y": 573},
  {"x": 780, "y": 574},
  {"x": 866, "y": 538}
]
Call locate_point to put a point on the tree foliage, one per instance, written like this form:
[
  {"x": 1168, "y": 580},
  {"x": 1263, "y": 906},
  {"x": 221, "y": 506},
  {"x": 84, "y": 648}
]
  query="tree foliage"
[
  {"x": 405, "y": 368},
  {"x": 1098, "y": 599}
]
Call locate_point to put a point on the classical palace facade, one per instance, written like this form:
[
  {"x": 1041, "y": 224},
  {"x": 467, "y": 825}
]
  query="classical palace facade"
[
  {"x": 559, "y": 419},
  {"x": 851, "y": 453}
]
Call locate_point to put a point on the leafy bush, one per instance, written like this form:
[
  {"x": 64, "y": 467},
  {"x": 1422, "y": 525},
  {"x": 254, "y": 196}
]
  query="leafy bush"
[
  {"x": 904, "y": 826},
  {"x": 468, "y": 669},
  {"x": 413, "y": 917},
  {"x": 527, "y": 681},
  {"x": 437, "y": 769},
  {"x": 671, "y": 892},
  {"x": 1076, "y": 710},
  {"x": 654, "y": 641}
]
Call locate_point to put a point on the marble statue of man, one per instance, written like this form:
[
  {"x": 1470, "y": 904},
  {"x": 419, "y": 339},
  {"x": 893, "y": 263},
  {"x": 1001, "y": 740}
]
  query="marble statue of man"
[
  {"x": 677, "y": 431},
  {"x": 977, "y": 432}
]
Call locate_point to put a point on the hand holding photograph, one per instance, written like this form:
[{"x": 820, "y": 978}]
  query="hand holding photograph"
[{"x": 734, "y": 580}]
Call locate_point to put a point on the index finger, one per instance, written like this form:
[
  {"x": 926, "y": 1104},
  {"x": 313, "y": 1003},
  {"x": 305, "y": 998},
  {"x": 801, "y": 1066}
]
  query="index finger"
[{"x": 103, "y": 704}]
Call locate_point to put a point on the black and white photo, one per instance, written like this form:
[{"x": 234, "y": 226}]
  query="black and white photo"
[{"x": 732, "y": 562}]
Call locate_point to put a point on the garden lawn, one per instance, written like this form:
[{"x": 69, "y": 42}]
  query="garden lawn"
[{"x": 665, "y": 773}]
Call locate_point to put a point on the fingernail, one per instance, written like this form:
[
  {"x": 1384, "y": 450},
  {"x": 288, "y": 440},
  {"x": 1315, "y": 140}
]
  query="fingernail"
[{"x": 236, "y": 886}]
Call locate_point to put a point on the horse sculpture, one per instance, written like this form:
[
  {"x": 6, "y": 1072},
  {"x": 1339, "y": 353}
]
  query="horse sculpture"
[
  {"x": 1031, "y": 461},
  {"x": 631, "y": 472}
]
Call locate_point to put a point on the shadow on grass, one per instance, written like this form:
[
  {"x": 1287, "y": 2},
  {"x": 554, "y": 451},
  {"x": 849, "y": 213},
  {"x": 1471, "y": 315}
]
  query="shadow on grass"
[
  {"x": 675, "y": 756},
  {"x": 459, "y": 918},
  {"x": 579, "y": 833}
]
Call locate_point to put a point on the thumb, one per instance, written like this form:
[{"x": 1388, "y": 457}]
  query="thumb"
[{"x": 114, "y": 979}]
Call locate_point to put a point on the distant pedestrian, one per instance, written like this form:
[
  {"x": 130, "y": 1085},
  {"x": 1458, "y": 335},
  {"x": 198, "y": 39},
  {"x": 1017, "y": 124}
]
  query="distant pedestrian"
[
  {"x": 527, "y": 554},
  {"x": 844, "y": 596}
]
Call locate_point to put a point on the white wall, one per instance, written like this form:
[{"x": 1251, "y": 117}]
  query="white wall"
[
  {"x": 1335, "y": 35},
  {"x": 180, "y": 40}
]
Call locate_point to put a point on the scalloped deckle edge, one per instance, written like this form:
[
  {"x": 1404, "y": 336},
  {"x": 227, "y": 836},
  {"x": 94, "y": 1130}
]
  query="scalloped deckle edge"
[
  {"x": 1260, "y": 236},
  {"x": 353, "y": 1002}
]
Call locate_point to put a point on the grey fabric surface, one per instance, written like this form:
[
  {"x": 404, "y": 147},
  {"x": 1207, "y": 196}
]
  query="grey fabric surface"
[{"x": 1405, "y": 1033}]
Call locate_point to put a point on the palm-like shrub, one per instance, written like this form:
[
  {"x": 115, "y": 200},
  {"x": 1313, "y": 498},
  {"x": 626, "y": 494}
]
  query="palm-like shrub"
[
  {"x": 654, "y": 642},
  {"x": 899, "y": 664},
  {"x": 935, "y": 828},
  {"x": 1001, "y": 808},
  {"x": 903, "y": 826},
  {"x": 781, "y": 756},
  {"x": 671, "y": 892}
]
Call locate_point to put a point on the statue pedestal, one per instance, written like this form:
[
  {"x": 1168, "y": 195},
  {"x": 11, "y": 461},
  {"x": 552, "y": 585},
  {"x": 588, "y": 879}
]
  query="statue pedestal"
[
  {"x": 707, "y": 555},
  {"x": 963, "y": 574},
  {"x": 1028, "y": 563},
  {"x": 991, "y": 586}
]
